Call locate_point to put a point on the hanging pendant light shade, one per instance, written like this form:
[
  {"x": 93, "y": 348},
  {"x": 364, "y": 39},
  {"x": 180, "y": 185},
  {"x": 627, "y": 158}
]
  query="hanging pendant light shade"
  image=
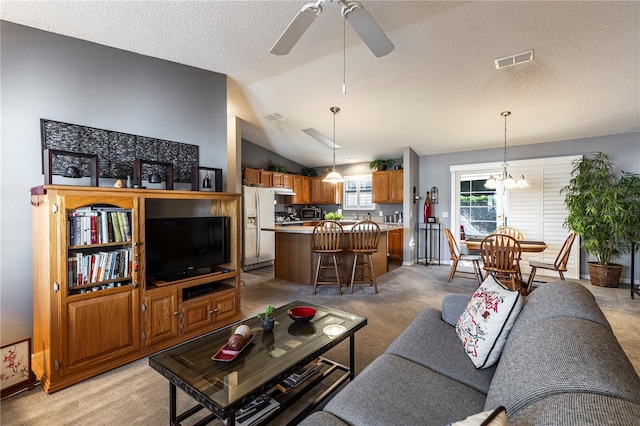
[
  {"x": 507, "y": 180},
  {"x": 333, "y": 176}
]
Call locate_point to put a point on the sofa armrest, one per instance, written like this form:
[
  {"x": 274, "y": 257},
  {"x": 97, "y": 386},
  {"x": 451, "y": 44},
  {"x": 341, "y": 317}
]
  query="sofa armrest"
[{"x": 452, "y": 307}]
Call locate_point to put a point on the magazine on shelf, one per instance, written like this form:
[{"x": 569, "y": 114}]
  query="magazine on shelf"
[{"x": 256, "y": 410}]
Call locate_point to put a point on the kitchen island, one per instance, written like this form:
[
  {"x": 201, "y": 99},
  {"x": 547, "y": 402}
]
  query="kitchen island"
[{"x": 296, "y": 262}]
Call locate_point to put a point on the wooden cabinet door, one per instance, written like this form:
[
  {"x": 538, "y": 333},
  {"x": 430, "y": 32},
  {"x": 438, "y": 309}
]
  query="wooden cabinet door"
[
  {"x": 98, "y": 329},
  {"x": 196, "y": 314},
  {"x": 266, "y": 178},
  {"x": 277, "y": 179},
  {"x": 317, "y": 191},
  {"x": 380, "y": 187},
  {"x": 306, "y": 189},
  {"x": 225, "y": 307},
  {"x": 302, "y": 189},
  {"x": 287, "y": 180},
  {"x": 396, "y": 186},
  {"x": 395, "y": 244},
  {"x": 161, "y": 316},
  {"x": 251, "y": 176}
]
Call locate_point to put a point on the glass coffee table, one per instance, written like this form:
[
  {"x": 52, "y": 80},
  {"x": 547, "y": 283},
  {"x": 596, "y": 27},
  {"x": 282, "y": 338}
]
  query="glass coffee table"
[{"x": 225, "y": 386}]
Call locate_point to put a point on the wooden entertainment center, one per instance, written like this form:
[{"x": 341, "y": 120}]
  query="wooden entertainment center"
[{"x": 84, "y": 326}]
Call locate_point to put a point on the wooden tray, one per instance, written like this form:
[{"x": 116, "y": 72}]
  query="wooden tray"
[{"x": 225, "y": 354}]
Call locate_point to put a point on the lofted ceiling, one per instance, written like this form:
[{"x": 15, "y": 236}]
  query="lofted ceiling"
[{"x": 437, "y": 92}]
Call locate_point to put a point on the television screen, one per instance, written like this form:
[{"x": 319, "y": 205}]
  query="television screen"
[{"x": 185, "y": 246}]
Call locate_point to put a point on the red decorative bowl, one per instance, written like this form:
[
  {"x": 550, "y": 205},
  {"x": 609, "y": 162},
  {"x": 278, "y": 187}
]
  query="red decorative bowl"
[{"x": 302, "y": 313}]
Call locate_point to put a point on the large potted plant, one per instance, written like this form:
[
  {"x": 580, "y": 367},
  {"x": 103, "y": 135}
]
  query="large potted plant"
[{"x": 604, "y": 209}]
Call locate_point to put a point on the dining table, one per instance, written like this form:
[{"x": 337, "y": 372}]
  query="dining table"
[{"x": 527, "y": 246}]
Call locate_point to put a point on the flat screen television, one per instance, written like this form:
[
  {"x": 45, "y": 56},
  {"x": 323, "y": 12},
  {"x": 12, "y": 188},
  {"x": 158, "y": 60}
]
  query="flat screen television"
[{"x": 182, "y": 247}]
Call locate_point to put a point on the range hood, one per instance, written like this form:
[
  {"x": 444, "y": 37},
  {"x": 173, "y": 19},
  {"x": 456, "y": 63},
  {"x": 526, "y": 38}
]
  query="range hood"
[{"x": 283, "y": 191}]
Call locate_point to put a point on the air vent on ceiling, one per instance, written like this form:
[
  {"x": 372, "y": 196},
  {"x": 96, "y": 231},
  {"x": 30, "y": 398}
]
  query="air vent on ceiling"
[
  {"x": 511, "y": 60},
  {"x": 273, "y": 116}
]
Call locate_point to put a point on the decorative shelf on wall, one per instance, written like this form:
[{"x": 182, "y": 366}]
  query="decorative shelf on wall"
[
  {"x": 154, "y": 166},
  {"x": 116, "y": 150},
  {"x": 216, "y": 182},
  {"x": 67, "y": 160}
]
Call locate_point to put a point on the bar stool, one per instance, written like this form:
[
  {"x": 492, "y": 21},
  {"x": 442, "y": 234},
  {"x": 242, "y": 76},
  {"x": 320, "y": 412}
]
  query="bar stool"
[
  {"x": 327, "y": 241},
  {"x": 363, "y": 242}
]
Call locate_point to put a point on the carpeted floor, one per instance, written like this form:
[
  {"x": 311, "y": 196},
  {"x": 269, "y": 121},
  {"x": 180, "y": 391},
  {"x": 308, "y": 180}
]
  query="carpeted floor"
[{"x": 137, "y": 395}]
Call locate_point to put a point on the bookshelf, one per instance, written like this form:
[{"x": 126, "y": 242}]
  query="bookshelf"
[{"x": 94, "y": 308}]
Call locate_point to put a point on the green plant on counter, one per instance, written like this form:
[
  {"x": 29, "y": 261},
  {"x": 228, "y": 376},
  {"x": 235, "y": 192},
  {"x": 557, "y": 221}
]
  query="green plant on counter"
[
  {"x": 380, "y": 165},
  {"x": 333, "y": 216},
  {"x": 268, "y": 313}
]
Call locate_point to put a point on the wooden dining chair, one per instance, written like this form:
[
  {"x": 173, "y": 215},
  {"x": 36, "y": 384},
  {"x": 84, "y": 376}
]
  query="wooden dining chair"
[
  {"x": 456, "y": 257},
  {"x": 511, "y": 231},
  {"x": 327, "y": 241},
  {"x": 559, "y": 265},
  {"x": 501, "y": 258},
  {"x": 363, "y": 243}
]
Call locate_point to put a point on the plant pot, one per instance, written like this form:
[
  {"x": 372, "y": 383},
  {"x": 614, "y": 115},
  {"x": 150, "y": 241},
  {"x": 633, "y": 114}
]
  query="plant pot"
[
  {"x": 267, "y": 324},
  {"x": 604, "y": 276}
]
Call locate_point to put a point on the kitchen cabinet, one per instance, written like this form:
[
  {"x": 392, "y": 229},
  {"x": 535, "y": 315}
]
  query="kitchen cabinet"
[
  {"x": 302, "y": 189},
  {"x": 251, "y": 176},
  {"x": 325, "y": 193},
  {"x": 395, "y": 244},
  {"x": 287, "y": 180},
  {"x": 266, "y": 178},
  {"x": 277, "y": 179},
  {"x": 387, "y": 186}
]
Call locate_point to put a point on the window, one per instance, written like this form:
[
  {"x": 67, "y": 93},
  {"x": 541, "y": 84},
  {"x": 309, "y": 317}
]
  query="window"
[
  {"x": 477, "y": 207},
  {"x": 357, "y": 193}
]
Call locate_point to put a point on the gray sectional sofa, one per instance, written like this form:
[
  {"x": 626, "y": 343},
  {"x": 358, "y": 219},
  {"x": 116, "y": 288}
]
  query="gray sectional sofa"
[{"x": 561, "y": 365}]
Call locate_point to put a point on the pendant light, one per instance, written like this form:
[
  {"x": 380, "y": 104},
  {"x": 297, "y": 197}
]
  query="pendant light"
[
  {"x": 333, "y": 176},
  {"x": 506, "y": 179}
]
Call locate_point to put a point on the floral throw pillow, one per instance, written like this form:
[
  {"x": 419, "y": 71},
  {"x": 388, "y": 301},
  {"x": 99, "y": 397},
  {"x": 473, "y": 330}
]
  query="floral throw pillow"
[{"x": 484, "y": 325}]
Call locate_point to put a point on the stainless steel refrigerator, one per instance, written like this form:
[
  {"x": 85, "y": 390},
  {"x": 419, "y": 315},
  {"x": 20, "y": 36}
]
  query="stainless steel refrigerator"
[{"x": 259, "y": 247}]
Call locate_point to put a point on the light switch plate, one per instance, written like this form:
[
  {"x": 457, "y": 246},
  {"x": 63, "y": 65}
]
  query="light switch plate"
[{"x": 445, "y": 214}]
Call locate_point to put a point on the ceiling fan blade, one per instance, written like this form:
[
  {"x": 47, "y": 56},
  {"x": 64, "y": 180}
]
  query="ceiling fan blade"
[
  {"x": 368, "y": 30},
  {"x": 296, "y": 28}
]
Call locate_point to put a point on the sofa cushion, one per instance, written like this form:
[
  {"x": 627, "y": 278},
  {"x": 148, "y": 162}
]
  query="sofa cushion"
[
  {"x": 578, "y": 409},
  {"x": 395, "y": 391},
  {"x": 484, "y": 325},
  {"x": 561, "y": 355},
  {"x": 452, "y": 307},
  {"x": 322, "y": 418},
  {"x": 497, "y": 417},
  {"x": 542, "y": 304},
  {"x": 433, "y": 343}
]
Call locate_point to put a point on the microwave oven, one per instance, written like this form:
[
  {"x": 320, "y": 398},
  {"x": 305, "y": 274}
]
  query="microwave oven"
[{"x": 310, "y": 213}]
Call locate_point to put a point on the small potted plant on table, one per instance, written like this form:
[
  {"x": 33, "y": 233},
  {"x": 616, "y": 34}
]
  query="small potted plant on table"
[{"x": 267, "y": 318}]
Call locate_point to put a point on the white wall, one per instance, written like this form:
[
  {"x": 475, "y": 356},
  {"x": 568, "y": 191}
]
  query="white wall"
[{"x": 44, "y": 75}]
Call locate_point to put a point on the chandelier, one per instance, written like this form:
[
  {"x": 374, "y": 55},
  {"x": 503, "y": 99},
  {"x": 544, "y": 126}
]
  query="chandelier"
[
  {"x": 333, "y": 176},
  {"x": 506, "y": 179}
]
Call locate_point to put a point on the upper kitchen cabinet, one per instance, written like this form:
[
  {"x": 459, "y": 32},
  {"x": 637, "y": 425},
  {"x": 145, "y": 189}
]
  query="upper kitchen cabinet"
[
  {"x": 287, "y": 180},
  {"x": 277, "y": 179},
  {"x": 388, "y": 186},
  {"x": 325, "y": 193},
  {"x": 302, "y": 189},
  {"x": 251, "y": 176},
  {"x": 266, "y": 178}
]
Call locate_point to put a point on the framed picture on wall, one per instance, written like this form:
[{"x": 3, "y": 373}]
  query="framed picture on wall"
[
  {"x": 15, "y": 368},
  {"x": 431, "y": 219}
]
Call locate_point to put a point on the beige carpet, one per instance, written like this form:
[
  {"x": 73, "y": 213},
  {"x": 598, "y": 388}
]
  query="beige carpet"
[{"x": 137, "y": 395}]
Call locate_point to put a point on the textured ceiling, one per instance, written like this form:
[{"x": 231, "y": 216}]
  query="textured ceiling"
[{"x": 437, "y": 92}]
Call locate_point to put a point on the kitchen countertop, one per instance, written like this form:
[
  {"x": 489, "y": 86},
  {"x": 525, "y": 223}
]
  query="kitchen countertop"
[{"x": 346, "y": 225}]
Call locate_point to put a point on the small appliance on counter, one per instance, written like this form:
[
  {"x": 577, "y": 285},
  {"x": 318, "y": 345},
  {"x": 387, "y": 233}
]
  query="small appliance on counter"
[{"x": 311, "y": 213}]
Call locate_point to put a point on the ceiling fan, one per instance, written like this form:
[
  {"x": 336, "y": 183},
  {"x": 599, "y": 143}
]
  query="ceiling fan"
[{"x": 353, "y": 12}]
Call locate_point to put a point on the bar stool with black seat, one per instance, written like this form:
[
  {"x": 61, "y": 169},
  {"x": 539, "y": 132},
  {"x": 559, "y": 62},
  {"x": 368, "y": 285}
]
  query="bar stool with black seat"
[
  {"x": 363, "y": 243},
  {"x": 327, "y": 241},
  {"x": 501, "y": 258},
  {"x": 559, "y": 265}
]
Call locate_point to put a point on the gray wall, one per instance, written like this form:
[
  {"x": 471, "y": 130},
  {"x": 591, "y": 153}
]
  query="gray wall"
[
  {"x": 45, "y": 75},
  {"x": 257, "y": 157},
  {"x": 623, "y": 150}
]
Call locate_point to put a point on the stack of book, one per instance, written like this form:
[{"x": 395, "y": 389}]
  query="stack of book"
[
  {"x": 299, "y": 376},
  {"x": 256, "y": 410}
]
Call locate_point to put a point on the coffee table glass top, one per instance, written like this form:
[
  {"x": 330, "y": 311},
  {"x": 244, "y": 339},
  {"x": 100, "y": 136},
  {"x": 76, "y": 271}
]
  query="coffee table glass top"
[{"x": 268, "y": 356}]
